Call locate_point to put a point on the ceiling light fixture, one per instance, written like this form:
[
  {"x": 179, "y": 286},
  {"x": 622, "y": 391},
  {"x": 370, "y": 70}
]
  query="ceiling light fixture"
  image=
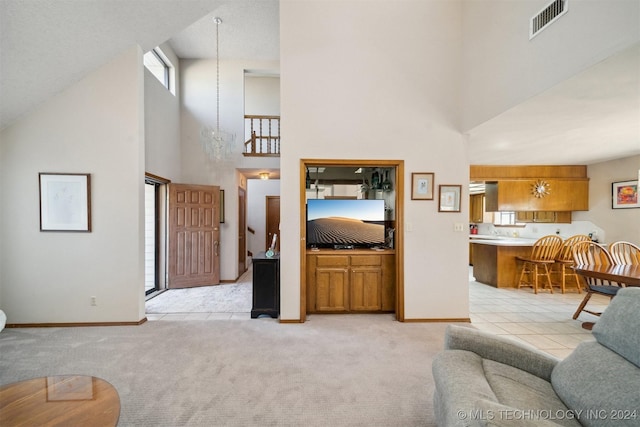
[
  {"x": 264, "y": 175},
  {"x": 217, "y": 143}
]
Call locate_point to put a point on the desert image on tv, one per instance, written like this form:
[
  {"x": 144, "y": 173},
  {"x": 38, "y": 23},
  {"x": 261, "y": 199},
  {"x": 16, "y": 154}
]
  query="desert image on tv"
[{"x": 344, "y": 231}]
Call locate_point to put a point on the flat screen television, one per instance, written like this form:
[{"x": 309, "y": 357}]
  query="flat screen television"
[{"x": 336, "y": 223}]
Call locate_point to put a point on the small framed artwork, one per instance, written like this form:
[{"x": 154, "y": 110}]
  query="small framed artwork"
[
  {"x": 624, "y": 195},
  {"x": 221, "y": 206},
  {"x": 65, "y": 201},
  {"x": 449, "y": 198},
  {"x": 422, "y": 186}
]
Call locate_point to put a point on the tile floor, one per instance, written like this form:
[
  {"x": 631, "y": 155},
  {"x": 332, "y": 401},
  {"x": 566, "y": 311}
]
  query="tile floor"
[{"x": 542, "y": 320}]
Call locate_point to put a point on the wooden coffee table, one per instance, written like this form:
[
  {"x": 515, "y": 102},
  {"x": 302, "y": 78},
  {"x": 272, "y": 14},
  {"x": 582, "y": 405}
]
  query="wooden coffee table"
[{"x": 61, "y": 400}]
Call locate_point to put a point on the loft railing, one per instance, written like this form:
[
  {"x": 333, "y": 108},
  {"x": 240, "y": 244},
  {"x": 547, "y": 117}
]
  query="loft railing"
[{"x": 264, "y": 136}]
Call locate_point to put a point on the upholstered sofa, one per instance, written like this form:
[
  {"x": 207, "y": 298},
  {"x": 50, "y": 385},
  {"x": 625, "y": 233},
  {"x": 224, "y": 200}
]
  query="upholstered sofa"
[{"x": 487, "y": 380}]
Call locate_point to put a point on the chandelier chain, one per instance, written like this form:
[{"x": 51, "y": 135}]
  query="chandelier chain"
[{"x": 217, "y": 143}]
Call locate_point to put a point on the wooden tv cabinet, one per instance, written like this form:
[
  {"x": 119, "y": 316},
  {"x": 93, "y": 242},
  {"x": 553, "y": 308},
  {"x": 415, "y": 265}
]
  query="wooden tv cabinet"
[{"x": 350, "y": 280}]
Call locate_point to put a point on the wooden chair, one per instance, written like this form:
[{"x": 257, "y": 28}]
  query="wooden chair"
[
  {"x": 591, "y": 253},
  {"x": 543, "y": 255},
  {"x": 625, "y": 253},
  {"x": 564, "y": 261}
]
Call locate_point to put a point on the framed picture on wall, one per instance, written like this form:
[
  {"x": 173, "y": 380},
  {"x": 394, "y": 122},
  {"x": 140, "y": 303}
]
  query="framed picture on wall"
[
  {"x": 449, "y": 196},
  {"x": 65, "y": 201},
  {"x": 624, "y": 195},
  {"x": 422, "y": 186}
]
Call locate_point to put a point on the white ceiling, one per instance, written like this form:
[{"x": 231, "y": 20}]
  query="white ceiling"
[
  {"x": 48, "y": 45},
  {"x": 592, "y": 117}
]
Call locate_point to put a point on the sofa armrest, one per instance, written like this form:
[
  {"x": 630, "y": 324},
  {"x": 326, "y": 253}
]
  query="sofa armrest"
[{"x": 500, "y": 349}]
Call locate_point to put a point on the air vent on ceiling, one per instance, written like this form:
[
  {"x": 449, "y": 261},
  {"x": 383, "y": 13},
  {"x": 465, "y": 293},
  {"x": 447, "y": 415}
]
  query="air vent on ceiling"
[{"x": 547, "y": 15}]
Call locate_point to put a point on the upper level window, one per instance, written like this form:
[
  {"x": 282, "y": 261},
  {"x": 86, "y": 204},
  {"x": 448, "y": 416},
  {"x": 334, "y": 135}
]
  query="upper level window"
[{"x": 160, "y": 67}]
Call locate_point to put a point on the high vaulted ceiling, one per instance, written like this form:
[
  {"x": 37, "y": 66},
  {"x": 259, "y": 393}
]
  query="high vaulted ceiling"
[{"x": 47, "y": 45}]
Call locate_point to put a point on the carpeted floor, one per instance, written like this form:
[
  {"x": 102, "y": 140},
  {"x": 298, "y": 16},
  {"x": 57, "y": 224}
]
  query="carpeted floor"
[{"x": 333, "y": 370}]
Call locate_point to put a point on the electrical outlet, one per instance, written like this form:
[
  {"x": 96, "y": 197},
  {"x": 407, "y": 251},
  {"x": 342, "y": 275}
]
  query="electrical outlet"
[{"x": 94, "y": 301}]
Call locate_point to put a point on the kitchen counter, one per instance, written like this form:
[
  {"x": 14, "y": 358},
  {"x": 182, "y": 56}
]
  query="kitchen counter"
[
  {"x": 501, "y": 241},
  {"x": 494, "y": 259}
]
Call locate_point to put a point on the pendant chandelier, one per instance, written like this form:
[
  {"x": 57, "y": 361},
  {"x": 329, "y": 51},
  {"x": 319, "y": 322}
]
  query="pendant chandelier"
[{"x": 216, "y": 142}]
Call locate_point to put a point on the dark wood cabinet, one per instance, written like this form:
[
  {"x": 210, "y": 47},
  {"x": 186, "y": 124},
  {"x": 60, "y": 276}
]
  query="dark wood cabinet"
[{"x": 266, "y": 286}]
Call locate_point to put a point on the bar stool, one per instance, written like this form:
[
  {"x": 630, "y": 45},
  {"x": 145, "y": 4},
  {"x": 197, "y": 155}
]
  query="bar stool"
[{"x": 542, "y": 256}]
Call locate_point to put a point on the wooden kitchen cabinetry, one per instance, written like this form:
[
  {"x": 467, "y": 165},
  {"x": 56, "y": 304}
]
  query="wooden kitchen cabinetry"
[
  {"x": 476, "y": 208},
  {"x": 516, "y": 195},
  {"x": 543, "y": 216},
  {"x": 352, "y": 280}
]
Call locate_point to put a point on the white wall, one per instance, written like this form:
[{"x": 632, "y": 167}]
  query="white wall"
[
  {"x": 618, "y": 224},
  {"x": 378, "y": 81},
  {"x": 502, "y": 67},
  {"x": 96, "y": 127},
  {"x": 262, "y": 95},
  {"x": 162, "y": 124},
  {"x": 257, "y": 191}
]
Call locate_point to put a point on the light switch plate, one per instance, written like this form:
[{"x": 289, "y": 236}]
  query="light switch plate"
[{"x": 458, "y": 226}]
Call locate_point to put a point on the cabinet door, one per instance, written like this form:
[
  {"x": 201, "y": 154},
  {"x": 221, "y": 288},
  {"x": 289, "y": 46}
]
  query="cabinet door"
[
  {"x": 366, "y": 289},
  {"x": 545, "y": 217},
  {"x": 332, "y": 289},
  {"x": 526, "y": 216},
  {"x": 476, "y": 208}
]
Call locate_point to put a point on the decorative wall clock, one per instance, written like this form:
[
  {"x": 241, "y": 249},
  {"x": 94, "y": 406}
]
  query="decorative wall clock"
[{"x": 540, "y": 189}]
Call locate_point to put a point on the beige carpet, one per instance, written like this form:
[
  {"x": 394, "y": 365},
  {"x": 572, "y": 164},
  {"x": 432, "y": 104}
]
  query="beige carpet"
[{"x": 333, "y": 370}]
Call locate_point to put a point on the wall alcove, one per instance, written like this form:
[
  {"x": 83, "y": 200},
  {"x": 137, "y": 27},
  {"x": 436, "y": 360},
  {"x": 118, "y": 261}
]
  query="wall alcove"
[{"x": 354, "y": 179}]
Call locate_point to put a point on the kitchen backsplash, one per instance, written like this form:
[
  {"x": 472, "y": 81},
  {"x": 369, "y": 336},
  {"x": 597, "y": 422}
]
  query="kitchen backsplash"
[{"x": 536, "y": 230}]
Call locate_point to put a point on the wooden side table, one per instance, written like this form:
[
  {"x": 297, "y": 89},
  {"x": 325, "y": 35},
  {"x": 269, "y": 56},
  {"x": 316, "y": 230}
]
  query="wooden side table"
[{"x": 61, "y": 400}]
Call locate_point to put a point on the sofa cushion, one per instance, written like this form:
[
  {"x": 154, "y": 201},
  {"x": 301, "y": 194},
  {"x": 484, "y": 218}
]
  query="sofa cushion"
[
  {"x": 617, "y": 328},
  {"x": 600, "y": 386},
  {"x": 530, "y": 398}
]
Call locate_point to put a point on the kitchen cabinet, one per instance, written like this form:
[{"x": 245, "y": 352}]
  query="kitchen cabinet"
[
  {"x": 343, "y": 281},
  {"x": 516, "y": 195},
  {"x": 543, "y": 216},
  {"x": 476, "y": 208},
  {"x": 494, "y": 262}
]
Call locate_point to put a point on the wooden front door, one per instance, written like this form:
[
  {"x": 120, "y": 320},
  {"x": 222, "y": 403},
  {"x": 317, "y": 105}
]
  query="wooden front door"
[
  {"x": 242, "y": 231},
  {"x": 194, "y": 235},
  {"x": 273, "y": 221}
]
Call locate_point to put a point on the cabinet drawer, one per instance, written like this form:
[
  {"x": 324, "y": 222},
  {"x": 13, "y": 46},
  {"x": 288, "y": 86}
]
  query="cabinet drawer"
[
  {"x": 357, "y": 260},
  {"x": 332, "y": 260}
]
